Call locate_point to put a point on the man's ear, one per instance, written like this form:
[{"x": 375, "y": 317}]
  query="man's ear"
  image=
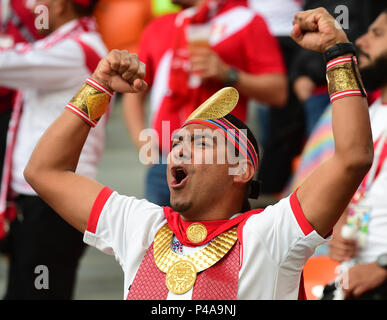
[{"x": 244, "y": 172}]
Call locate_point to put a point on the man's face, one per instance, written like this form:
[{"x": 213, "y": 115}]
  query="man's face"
[
  {"x": 373, "y": 54},
  {"x": 198, "y": 170},
  {"x": 373, "y": 44},
  {"x": 52, "y": 6}
]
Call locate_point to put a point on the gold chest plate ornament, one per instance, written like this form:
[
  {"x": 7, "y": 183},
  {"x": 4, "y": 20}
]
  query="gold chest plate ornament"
[
  {"x": 181, "y": 277},
  {"x": 181, "y": 270},
  {"x": 196, "y": 232}
]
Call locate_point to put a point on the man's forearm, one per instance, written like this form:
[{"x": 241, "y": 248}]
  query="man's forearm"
[
  {"x": 51, "y": 168},
  {"x": 326, "y": 192},
  {"x": 60, "y": 147},
  {"x": 350, "y": 123},
  {"x": 271, "y": 89}
]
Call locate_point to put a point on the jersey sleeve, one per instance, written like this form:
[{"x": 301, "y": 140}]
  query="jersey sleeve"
[
  {"x": 42, "y": 68},
  {"x": 285, "y": 233},
  {"x": 120, "y": 225},
  {"x": 263, "y": 52}
]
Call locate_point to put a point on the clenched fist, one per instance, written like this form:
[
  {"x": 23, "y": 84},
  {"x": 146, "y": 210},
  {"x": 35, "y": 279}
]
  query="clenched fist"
[
  {"x": 317, "y": 30},
  {"x": 122, "y": 72}
]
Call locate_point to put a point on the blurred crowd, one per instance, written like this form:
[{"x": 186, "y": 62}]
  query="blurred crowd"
[{"x": 191, "y": 48}]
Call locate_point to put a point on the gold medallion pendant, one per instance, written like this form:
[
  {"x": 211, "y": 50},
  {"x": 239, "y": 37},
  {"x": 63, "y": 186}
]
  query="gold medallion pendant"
[
  {"x": 196, "y": 232},
  {"x": 181, "y": 277},
  {"x": 181, "y": 270}
]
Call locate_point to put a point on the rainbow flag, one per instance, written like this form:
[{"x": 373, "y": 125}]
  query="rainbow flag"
[{"x": 319, "y": 147}]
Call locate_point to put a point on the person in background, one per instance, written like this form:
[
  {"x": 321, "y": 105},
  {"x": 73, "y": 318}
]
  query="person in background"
[
  {"x": 46, "y": 74},
  {"x": 182, "y": 76},
  {"x": 281, "y": 130},
  {"x": 16, "y": 26}
]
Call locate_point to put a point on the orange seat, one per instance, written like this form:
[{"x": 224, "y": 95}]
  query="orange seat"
[
  {"x": 121, "y": 22},
  {"x": 318, "y": 271}
]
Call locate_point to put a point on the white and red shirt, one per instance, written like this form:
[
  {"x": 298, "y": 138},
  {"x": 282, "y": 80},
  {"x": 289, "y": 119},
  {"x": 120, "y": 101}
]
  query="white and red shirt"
[
  {"x": 278, "y": 14},
  {"x": 238, "y": 35},
  {"x": 275, "y": 244},
  {"x": 48, "y": 73},
  {"x": 375, "y": 198}
]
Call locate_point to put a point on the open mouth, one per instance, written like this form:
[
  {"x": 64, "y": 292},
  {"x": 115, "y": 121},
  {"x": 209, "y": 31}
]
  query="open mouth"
[{"x": 179, "y": 175}]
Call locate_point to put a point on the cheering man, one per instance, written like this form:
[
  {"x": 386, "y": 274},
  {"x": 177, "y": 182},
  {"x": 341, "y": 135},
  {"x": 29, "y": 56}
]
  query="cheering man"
[{"x": 207, "y": 246}]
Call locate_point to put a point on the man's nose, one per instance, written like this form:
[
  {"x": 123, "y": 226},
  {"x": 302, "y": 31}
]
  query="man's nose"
[
  {"x": 360, "y": 42},
  {"x": 181, "y": 151}
]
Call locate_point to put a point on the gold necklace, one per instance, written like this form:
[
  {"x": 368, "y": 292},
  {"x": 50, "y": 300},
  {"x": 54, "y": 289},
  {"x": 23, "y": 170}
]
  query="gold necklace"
[{"x": 181, "y": 270}]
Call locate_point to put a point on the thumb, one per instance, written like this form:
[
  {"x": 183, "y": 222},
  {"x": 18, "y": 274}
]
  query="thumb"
[
  {"x": 296, "y": 33},
  {"x": 140, "y": 85}
]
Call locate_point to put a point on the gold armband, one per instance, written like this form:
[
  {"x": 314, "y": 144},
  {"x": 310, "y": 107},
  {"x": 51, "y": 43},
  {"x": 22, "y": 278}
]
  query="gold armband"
[
  {"x": 344, "y": 79},
  {"x": 91, "y": 102}
]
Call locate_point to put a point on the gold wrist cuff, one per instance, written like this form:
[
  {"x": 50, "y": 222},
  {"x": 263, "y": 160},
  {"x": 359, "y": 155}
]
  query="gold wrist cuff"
[
  {"x": 344, "y": 79},
  {"x": 91, "y": 102}
]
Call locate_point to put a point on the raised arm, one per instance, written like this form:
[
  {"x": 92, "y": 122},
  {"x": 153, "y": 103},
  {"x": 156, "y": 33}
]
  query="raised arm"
[
  {"x": 51, "y": 168},
  {"x": 327, "y": 191}
]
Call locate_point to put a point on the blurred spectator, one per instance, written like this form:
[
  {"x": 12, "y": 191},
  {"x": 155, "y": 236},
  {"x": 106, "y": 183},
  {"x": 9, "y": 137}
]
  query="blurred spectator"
[
  {"x": 281, "y": 131},
  {"x": 16, "y": 26},
  {"x": 121, "y": 22},
  {"x": 183, "y": 75},
  {"x": 308, "y": 71},
  {"x": 48, "y": 73}
]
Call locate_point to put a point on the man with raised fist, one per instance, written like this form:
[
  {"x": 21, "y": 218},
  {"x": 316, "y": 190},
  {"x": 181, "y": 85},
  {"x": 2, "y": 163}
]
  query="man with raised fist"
[{"x": 207, "y": 246}]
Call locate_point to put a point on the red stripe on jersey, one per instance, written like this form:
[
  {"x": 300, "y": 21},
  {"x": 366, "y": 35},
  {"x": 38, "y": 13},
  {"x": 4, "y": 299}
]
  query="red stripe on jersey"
[
  {"x": 98, "y": 205},
  {"x": 92, "y": 58},
  {"x": 301, "y": 289},
  {"x": 299, "y": 214}
]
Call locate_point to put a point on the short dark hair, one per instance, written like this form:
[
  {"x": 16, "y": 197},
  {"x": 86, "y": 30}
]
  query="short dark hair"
[
  {"x": 84, "y": 11},
  {"x": 253, "y": 186}
]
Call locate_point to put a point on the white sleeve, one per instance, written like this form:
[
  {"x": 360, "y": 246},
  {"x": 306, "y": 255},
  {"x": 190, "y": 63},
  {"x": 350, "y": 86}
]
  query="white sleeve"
[
  {"x": 122, "y": 226},
  {"x": 39, "y": 68},
  {"x": 286, "y": 235}
]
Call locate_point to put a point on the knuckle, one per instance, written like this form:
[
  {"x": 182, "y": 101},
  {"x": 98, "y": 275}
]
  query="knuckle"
[
  {"x": 114, "y": 52},
  {"x": 133, "y": 56},
  {"x": 321, "y": 10}
]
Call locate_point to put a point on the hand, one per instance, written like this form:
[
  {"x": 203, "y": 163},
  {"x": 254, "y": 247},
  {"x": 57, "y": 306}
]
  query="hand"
[
  {"x": 341, "y": 249},
  {"x": 208, "y": 65},
  {"x": 364, "y": 277},
  {"x": 122, "y": 72},
  {"x": 317, "y": 30},
  {"x": 303, "y": 87}
]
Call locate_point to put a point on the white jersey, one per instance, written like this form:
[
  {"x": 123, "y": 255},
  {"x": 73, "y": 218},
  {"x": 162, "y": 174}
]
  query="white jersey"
[
  {"x": 275, "y": 244},
  {"x": 376, "y": 198},
  {"x": 49, "y": 73},
  {"x": 278, "y": 14}
]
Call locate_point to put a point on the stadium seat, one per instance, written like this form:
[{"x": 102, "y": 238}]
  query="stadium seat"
[{"x": 318, "y": 271}]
